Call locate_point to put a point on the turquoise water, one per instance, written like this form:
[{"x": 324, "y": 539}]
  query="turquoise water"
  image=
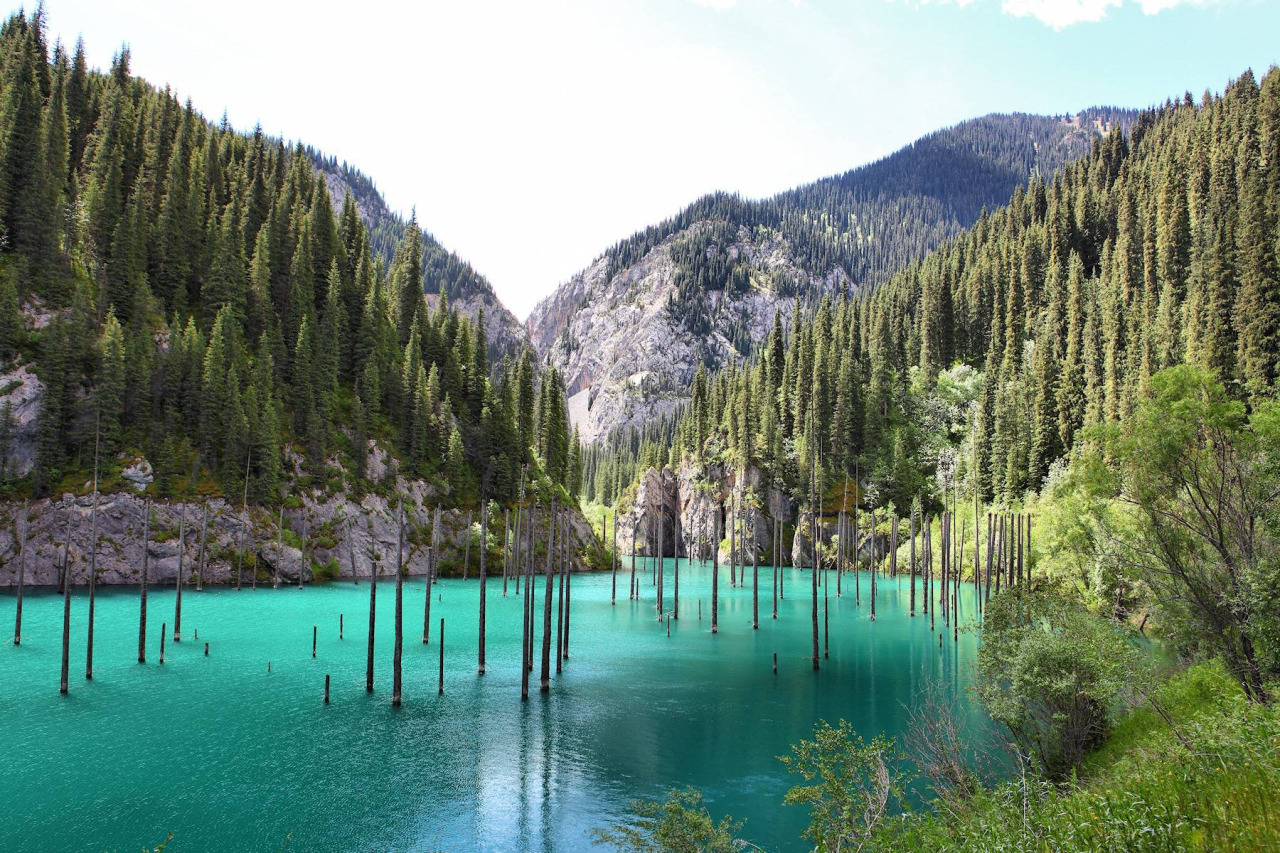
[{"x": 228, "y": 756}]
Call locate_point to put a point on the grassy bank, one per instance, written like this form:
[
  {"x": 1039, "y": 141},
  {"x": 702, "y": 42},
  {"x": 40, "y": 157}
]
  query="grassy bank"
[{"x": 1197, "y": 769}]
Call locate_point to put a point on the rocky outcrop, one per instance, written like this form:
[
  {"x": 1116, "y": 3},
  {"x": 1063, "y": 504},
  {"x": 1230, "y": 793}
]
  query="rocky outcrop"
[
  {"x": 870, "y": 546},
  {"x": 343, "y": 538},
  {"x": 21, "y": 390},
  {"x": 625, "y": 355},
  {"x": 696, "y": 504}
]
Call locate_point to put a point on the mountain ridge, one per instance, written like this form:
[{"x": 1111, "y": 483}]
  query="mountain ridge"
[{"x": 701, "y": 287}]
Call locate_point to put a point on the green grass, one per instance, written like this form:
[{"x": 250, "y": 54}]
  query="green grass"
[{"x": 1208, "y": 782}]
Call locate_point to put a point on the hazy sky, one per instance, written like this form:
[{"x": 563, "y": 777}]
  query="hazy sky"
[{"x": 531, "y": 135}]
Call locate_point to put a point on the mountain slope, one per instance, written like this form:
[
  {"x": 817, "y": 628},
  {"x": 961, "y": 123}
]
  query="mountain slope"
[
  {"x": 629, "y": 332},
  {"x": 442, "y": 270}
]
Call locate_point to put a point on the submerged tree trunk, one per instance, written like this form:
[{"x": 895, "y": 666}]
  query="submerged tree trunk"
[
  {"x": 715, "y": 569},
  {"x": 142, "y": 585},
  {"x": 397, "y": 654},
  {"x": 484, "y": 527},
  {"x": 22, "y": 574},
  {"x": 546, "y": 610},
  {"x": 93, "y": 581},
  {"x": 373, "y": 606}
]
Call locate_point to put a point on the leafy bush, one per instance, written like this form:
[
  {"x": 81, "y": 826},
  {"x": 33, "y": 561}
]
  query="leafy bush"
[{"x": 1052, "y": 674}]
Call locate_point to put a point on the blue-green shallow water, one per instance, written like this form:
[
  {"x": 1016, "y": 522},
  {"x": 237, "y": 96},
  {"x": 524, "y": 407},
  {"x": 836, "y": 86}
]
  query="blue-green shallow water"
[{"x": 229, "y": 757}]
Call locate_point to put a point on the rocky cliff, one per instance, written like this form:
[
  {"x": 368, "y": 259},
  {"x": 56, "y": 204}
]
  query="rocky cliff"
[
  {"x": 343, "y": 538},
  {"x": 698, "y": 505}
]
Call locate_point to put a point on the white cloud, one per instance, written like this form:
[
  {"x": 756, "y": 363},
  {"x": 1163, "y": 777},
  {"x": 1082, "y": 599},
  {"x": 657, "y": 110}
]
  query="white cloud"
[
  {"x": 718, "y": 5},
  {"x": 1060, "y": 14}
]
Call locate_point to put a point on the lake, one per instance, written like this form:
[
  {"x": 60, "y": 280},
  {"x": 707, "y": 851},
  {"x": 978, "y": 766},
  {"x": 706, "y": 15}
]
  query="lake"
[{"x": 229, "y": 756}]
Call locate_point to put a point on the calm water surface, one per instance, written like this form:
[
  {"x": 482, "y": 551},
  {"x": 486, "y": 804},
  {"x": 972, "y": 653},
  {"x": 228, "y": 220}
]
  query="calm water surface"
[{"x": 228, "y": 756}]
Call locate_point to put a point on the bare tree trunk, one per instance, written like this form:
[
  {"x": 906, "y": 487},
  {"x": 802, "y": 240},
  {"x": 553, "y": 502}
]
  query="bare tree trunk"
[
  {"x": 635, "y": 528},
  {"x": 142, "y": 585},
  {"x": 526, "y": 609},
  {"x": 560, "y": 572},
  {"x": 777, "y": 551},
  {"x": 755, "y": 578},
  {"x": 398, "y": 653},
  {"x": 613, "y": 562},
  {"x": 204, "y": 532},
  {"x": 22, "y": 574},
  {"x": 912, "y": 611},
  {"x": 715, "y": 569},
  {"x": 675, "y": 594},
  {"x": 506, "y": 548},
  {"x": 484, "y": 527},
  {"x": 66, "y": 609},
  {"x": 275, "y": 569},
  {"x": 546, "y": 611},
  {"x": 93, "y": 580},
  {"x": 182, "y": 553},
  {"x": 373, "y": 604}
]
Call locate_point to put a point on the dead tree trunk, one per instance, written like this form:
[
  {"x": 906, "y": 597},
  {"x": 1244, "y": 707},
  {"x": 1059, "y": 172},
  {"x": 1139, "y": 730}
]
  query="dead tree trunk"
[
  {"x": 560, "y": 567},
  {"x": 777, "y": 550},
  {"x": 912, "y": 608},
  {"x": 275, "y": 569},
  {"x": 525, "y": 648},
  {"x": 66, "y": 611},
  {"x": 182, "y": 553},
  {"x": 715, "y": 569},
  {"x": 398, "y": 653},
  {"x": 373, "y": 606},
  {"x": 675, "y": 592},
  {"x": 93, "y": 580},
  {"x": 204, "y": 532},
  {"x": 755, "y": 578},
  {"x": 22, "y": 574},
  {"x": 613, "y": 563},
  {"x": 506, "y": 548},
  {"x": 546, "y": 610},
  {"x": 142, "y": 584},
  {"x": 432, "y": 556},
  {"x": 635, "y": 529},
  {"x": 484, "y": 527}
]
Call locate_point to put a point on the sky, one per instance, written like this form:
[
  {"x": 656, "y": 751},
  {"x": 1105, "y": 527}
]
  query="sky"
[{"x": 531, "y": 136}]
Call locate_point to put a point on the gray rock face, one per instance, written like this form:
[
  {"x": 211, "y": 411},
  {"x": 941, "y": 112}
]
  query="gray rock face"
[
  {"x": 345, "y": 540},
  {"x": 870, "y": 545},
  {"x": 626, "y": 358},
  {"x": 22, "y": 391},
  {"x": 701, "y": 500},
  {"x": 138, "y": 474}
]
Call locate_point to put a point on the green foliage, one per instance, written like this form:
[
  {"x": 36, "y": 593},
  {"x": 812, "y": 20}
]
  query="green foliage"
[
  {"x": 1053, "y": 675},
  {"x": 1201, "y": 476},
  {"x": 678, "y": 824},
  {"x": 1199, "y": 776},
  {"x": 234, "y": 309},
  {"x": 853, "y": 785}
]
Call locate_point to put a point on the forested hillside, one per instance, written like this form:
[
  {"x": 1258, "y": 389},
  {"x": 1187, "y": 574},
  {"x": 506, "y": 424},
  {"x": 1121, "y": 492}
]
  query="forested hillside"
[
  {"x": 992, "y": 355},
  {"x": 443, "y": 272},
  {"x": 188, "y": 293},
  {"x": 699, "y": 289}
]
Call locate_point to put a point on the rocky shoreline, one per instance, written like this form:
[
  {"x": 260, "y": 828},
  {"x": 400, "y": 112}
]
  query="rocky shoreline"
[{"x": 340, "y": 532}]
